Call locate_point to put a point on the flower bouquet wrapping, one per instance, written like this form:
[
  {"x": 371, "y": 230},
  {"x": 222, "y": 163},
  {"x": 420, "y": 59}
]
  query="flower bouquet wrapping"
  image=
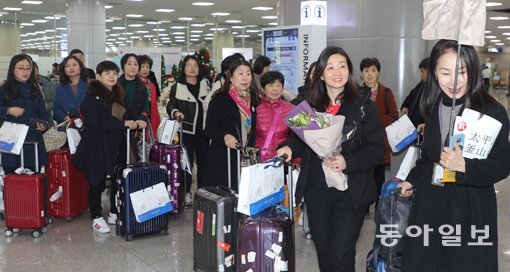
[{"x": 322, "y": 132}]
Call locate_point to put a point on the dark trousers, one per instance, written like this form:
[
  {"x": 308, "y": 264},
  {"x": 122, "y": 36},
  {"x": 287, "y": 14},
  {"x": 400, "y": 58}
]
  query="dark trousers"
[
  {"x": 380, "y": 178},
  {"x": 486, "y": 83},
  {"x": 196, "y": 144},
  {"x": 335, "y": 228},
  {"x": 95, "y": 199}
]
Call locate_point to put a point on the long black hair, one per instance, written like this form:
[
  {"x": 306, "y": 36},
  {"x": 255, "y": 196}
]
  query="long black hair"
[
  {"x": 182, "y": 76},
  {"x": 476, "y": 97},
  {"x": 254, "y": 93},
  {"x": 64, "y": 78},
  {"x": 11, "y": 89},
  {"x": 318, "y": 92}
]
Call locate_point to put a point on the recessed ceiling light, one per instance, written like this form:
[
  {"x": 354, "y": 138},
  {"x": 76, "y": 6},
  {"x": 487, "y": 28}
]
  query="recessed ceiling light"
[
  {"x": 269, "y": 17},
  {"x": 204, "y": 4},
  {"x": 220, "y": 14},
  {"x": 194, "y": 40},
  {"x": 142, "y": 31},
  {"x": 237, "y": 27},
  {"x": 262, "y": 8},
  {"x": 162, "y": 34},
  {"x": 208, "y": 38},
  {"x": 26, "y": 24},
  {"x": 196, "y": 31},
  {"x": 179, "y": 37},
  {"x": 197, "y": 25},
  {"x": 243, "y": 36},
  {"x": 179, "y": 40},
  {"x": 503, "y": 27},
  {"x": 493, "y": 4},
  {"x": 177, "y": 33},
  {"x": 232, "y": 21},
  {"x": 148, "y": 36},
  {"x": 165, "y": 10},
  {"x": 186, "y": 19},
  {"x": 39, "y": 21},
  {"x": 61, "y": 28},
  {"x": 12, "y": 9},
  {"x": 118, "y": 27},
  {"x": 498, "y": 18},
  {"x": 159, "y": 29},
  {"x": 136, "y": 25},
  {"x": 165, "y": 38},
  {"x": 49, "y": 30},
  {"x": 135, "y": 37},
  {"x": 495, "y": 40},
  {"x": 108, "y": 20},
  {"x": 506, "y": 33},
  {"x": 273, "y": 24},
  {"x": 252, "y": 26},
  {"x": 490, "y": 37},
  {"x": 134, "y": 15},
  {"x": 108, "y": 6},
  {"x": 152, "y": 23},
  {"x": 31, "y": 2},
  {"x": 217, "y": 29},
  {"x": 209, "y": 34},
  {"x": 177, "y": 27},
  {"x": 253, "y": 30},
  {"x": 195, "y": 36}
]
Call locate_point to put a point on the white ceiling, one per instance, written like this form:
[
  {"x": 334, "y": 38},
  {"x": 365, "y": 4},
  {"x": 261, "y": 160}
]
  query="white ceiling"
[{"x": 239, "y": 10}]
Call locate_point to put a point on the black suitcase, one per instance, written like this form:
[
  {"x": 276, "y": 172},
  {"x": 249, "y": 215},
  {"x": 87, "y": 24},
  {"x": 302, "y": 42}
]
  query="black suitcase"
[
  {"x": 132, "y": 178},
  {"x": 215, "y": 223}
]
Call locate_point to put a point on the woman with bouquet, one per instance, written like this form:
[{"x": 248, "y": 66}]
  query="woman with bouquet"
[
  {"x": 336, "y": 216},
  {"x": 467, "y": 205}
]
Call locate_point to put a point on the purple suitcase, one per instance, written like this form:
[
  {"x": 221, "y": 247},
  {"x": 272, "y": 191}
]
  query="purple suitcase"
[
  {"x": 265, "y": 242},
  {"x": 170, "y": 156}
]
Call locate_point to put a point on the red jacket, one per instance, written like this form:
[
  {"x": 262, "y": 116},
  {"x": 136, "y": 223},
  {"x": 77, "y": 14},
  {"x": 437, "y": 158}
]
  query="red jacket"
[{"x": 265, "y": 112}]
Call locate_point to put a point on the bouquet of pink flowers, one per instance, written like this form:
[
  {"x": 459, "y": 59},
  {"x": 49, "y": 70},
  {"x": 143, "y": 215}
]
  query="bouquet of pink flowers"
[{"x": 322, "y": 132}]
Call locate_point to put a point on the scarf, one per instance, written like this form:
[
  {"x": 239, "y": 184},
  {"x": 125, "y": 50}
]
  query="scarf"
[
  {"x": 243, "y": 103},
  {"x": 147, "y": 83}
]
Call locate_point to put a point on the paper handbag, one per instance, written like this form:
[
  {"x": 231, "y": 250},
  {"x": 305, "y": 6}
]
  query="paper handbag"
[
  {"x": 150, "y": 202},
  {"x": 260, "y": 188},
  {"x": 12, "y": 137},
  {"x": 401, "y": 134},
  {"x": 413, "y": 153},
  {"x": 167, "y": 130}
]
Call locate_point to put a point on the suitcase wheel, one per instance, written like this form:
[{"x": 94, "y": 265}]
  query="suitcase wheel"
[
  {"x": 308, "y": 236},
  {"x": 36, "y": 233},
  {"x": 129, "y": 237},
  {"x": 15, "y": 230},
  {"x": 8, "y": 233},
  {"x": 44, "y": 230}
]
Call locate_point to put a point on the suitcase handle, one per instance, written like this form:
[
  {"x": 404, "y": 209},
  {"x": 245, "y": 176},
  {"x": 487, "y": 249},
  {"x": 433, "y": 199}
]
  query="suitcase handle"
[
  {"x": 36, "y": 149},
  {"x": 229, "y": 168},
  {"x": 128, "y": 145}
]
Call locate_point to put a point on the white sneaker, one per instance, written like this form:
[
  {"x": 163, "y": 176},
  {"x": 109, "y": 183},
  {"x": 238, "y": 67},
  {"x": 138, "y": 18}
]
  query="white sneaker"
[
  {"x": 188, "y": 201},
  {"x": 100, "y": 225},
  {"x": 112, "y": 219}
]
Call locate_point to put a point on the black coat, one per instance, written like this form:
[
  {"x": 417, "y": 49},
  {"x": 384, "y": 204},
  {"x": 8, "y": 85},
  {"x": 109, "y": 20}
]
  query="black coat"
[
  {"x": 97, "y": 153},
  {"x": 362, "y": 153},
  {"x": 139, "y": 105},
  {"x": 469, "y": 201},
  {"x": 35, "y": 109},
  {"x": 412, "y": 103},
  {"x": 223, "y": 118}
]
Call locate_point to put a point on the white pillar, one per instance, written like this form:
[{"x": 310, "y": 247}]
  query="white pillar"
[
  {"x": 86, "y": 29},
  {"x": 288, "y": 12},
  {"x": 11, "y": 33},
  {"x": 221, "y": 40}
]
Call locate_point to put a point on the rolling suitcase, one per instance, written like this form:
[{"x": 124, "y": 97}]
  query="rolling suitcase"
[
  {"x": 67, "y": 186},
  {"x": 170, "y": 156},
  {"x": 135, "y": 177},
  {"x": 265, "y": 241},
  {"x": 215, "y": 222},
  {"x": 24, "y": 197}
]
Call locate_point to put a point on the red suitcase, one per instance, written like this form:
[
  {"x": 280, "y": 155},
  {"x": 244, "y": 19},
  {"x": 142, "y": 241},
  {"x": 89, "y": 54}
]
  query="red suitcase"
[
  {"x": 24, "y": 198},
  {"x": 67, "y": 187}
]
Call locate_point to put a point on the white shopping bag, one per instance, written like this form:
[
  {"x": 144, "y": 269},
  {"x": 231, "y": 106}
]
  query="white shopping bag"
[
  {"x": 12, "y": 137},
  {"x": 401, "y": 133},
  {"x": 150, "y": 202},
  {"x": 260, "y": 188},
  {"x": 413, "y": 153},
  {"x": 73, "y": 139},
  {"x": 167, "y": 130}
]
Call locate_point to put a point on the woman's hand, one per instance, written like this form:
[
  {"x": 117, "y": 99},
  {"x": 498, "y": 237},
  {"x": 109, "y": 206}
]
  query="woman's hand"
[
  {"x": 336, "y": 163},
  {"x": 452, "y": 159},
  {"x": 15, "y": 111},
  {"x": 421, "y": 128},
  {"x": 130, "y": 124},
  {"x": 406, "y": 189},
  {"x": 39, "y": 126},
  {"x": 404, "y": 111},
  {"x": 141, "y": 124},
  {"x": 285, "y": 150},
  {"x": 230, "y": 141},
  {"x": 179, "y": 115}
]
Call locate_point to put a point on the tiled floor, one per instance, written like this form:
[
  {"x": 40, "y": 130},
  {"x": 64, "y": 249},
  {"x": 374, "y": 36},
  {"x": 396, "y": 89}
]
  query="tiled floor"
[{"x": 74, "y": 246}]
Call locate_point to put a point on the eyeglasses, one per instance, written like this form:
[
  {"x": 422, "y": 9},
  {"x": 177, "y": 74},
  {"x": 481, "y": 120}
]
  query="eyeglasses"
[{"x": 27, "y": 69}]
